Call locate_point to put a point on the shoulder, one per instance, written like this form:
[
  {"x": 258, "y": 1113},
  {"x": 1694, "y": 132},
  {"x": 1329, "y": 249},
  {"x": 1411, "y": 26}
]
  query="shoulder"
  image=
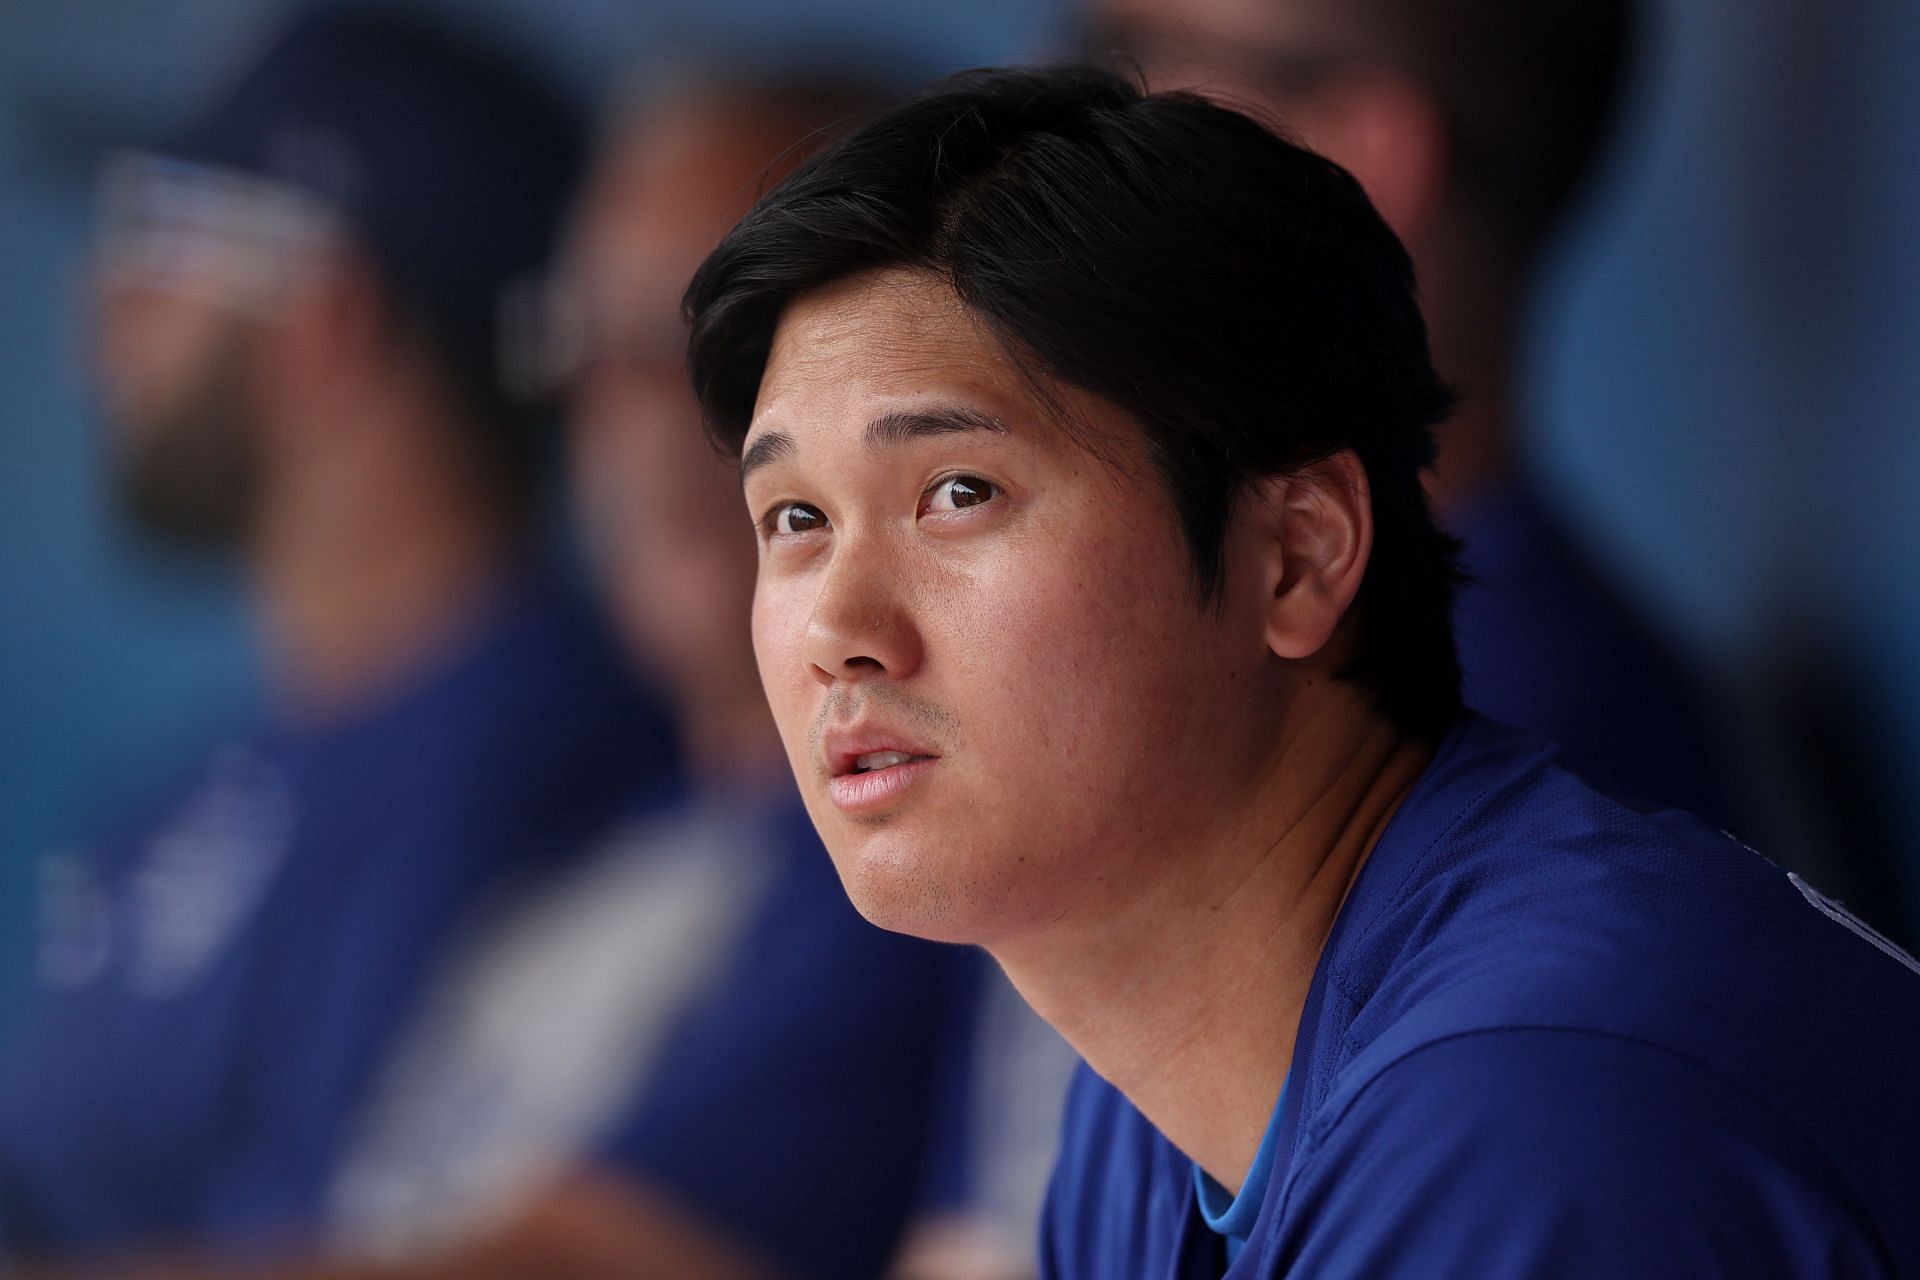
[
  {"x": 1517, "y": 893},
  {"x": 1516, "y": 1151},
  {"x": 1550, "y": 905},
  {"x": 1558, "y": 986}
]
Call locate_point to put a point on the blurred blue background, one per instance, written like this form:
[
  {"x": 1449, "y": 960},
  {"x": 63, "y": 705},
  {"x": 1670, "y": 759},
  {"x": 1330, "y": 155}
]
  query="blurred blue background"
[{"x": 1722, "y": 384}]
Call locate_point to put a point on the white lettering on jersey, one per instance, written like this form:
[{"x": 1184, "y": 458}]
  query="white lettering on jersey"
[{"x": 206, "y": 873}]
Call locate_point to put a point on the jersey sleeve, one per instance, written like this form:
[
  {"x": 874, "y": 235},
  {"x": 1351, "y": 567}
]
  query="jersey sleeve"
[{"x": 1522, "y": 1153}]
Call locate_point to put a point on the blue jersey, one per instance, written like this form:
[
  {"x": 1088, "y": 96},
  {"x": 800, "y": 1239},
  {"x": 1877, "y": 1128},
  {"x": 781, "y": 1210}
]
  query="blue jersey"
[
  {"x": 693, "y": 1004},
  {"x": 795, "y": 1102},
  {"x": 1551, "y": 1036},
  {"x": 1548, "y": 645},
  {"x": 997, "y": 1123},
  {"x": 213, "y": 991}
]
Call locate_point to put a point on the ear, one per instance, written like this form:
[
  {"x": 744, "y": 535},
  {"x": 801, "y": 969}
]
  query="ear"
[
  {"x": 1316, "y": 530},
  {"x": 1388, "y": 133}
]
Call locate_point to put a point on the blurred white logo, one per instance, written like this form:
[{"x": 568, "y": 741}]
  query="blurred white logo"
[{"x": 206, "y": 873}]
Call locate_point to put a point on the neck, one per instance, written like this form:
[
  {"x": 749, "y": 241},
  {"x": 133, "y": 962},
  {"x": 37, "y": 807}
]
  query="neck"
[
  {"x": 374, "y": 552},
  {"x": 1188, "y": 1001}
]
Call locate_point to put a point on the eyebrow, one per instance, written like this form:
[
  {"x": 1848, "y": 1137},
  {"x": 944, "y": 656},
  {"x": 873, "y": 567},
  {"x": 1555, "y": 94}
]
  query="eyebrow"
[
  {"x": 771, "y": 447},
  {"x": 903, "y": 425},
  {"x": 898, "y": 427}
]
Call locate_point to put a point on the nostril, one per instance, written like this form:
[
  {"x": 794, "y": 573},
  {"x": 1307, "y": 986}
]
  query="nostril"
[{"x": 865, "y": 663}]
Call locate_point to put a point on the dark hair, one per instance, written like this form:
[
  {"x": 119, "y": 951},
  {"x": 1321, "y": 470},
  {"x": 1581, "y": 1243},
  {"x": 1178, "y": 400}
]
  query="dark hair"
[{"x": 1235, "y": 294}]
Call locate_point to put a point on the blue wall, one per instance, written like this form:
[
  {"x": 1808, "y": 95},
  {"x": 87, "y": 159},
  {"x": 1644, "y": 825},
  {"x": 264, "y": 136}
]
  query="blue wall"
[{"x": 1726, "y": 386}]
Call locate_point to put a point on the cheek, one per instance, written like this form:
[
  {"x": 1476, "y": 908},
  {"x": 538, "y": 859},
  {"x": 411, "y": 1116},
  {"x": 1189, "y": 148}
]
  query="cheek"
[
  {"x": 147, "y": 348},
  {"x": 1087, "y": 647},
  {"x": 1110, "y": 676},
  {"x": 779, "y": 631}
]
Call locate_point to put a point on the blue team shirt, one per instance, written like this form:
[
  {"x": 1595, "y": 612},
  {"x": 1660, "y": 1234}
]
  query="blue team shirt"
[
  {"x": 1231, "y": 1215},
  {"x": 1549, "y": 644},
  {"x": 693, "y": 1004},
  {"x": 215, "y": 988},
  {"x": 1549, "y": 1035},
  {"x": 794, "y": 1104}
]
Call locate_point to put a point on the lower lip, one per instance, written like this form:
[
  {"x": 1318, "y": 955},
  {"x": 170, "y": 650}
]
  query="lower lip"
[{"x": 870, "y": 792}]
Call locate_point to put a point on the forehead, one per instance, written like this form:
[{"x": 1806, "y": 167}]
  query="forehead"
[
  {"x": 881, "y": 327},
  {"x": 877, "y": 340}
]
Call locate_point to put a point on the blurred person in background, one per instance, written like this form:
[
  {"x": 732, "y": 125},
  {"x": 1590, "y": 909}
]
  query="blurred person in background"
[
  {"x": 299, "y": 358},
  {"x": 1475, "y": 127},
  {"x": 1004, "y": 1080},
  {"x": 686, "y": 1052},
  {"x": 678, "y": 1052}
]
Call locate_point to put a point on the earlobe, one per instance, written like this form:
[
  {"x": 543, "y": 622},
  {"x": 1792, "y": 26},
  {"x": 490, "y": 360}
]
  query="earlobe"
[{"x": 1318, "y": 527}]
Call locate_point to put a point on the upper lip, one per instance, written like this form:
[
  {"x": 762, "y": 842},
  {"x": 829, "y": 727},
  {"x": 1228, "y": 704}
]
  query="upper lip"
[{"x": 844, "y": 745}]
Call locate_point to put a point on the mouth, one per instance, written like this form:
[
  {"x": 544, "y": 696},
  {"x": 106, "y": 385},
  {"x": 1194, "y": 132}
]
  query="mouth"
[
  {"x": 866, "y": 778},
  {"x": 874, "y": 761}
]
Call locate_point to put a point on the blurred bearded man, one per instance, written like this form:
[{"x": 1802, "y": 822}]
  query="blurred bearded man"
[{"x": 302, "y": 351}]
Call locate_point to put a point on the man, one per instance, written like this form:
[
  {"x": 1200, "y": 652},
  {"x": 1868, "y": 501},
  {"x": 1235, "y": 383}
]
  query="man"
[
  {"x": 299, "y": 342},
  {"x": 1105, "y": 625},
  {"x": 1475, "y": 128}
]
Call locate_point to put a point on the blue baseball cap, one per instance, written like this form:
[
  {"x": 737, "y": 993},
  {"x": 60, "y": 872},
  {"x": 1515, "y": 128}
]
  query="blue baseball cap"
[{"x": 448, "y": 162}]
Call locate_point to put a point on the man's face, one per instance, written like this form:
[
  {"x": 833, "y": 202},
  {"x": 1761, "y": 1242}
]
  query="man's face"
[
  {"x": 1209, "y": 25},
  {"x": 998, "y": 688},
  {"x": 662, "y": 524},
  {"x": 173, "y": 371},
  {"x": 1263, "y": 57},
  {"x": 657, "y": 502}
]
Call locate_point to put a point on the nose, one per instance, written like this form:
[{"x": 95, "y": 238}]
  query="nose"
[{"x": 862, "y": 626}]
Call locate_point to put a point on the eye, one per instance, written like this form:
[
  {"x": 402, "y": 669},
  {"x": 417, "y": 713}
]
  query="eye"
[
  {"x": 958, "y": 492},
  {"x": 795, "y": 517}
]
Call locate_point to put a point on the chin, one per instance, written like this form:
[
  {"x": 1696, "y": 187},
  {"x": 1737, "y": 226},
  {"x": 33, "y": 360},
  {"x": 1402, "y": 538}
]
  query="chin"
[{"x": 906, "y": 887}]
